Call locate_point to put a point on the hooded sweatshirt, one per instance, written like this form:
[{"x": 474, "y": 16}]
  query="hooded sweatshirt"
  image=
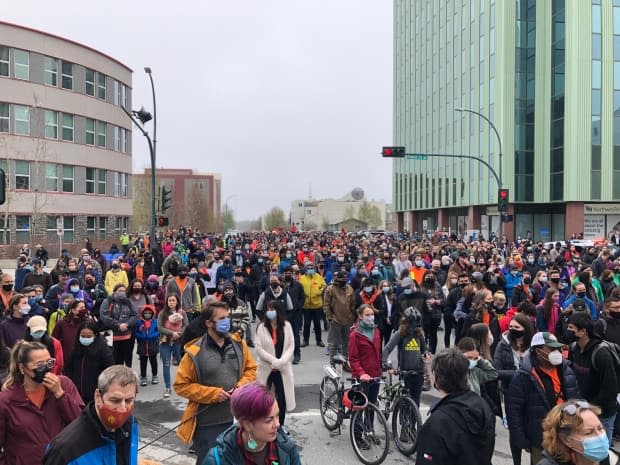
[{"x": 460, "y": 429}]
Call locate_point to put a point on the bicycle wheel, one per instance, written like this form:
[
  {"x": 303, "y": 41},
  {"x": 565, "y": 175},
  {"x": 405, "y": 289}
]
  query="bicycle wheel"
[
  {"x": 369, "y": 435},
  {"x": 406, "y": 423},
  {"x": 330, "y": 404}
]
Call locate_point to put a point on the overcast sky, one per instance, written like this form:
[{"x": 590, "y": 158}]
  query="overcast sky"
[{"x": 274, "y": 95}]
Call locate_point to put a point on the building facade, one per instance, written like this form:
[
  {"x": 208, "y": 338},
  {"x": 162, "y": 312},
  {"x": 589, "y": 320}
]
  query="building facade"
[
  {"x": 65, "y": 142},
  {"x": 353, "y": 212},
  {"x": 547, "y": 75},
  {"x": 196, "y": 198}
]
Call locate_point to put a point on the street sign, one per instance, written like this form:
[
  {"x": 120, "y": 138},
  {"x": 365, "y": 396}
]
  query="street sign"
[
  {"x": 416, "y": 156},
  {"x": 60, "y": 231},
  {"x": 59, "y": 224}
]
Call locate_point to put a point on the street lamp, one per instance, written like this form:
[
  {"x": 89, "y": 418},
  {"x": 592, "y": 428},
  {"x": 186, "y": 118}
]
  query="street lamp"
[
  {"x": 139, "y": 118},
  {"x": 499, "y": 140}
]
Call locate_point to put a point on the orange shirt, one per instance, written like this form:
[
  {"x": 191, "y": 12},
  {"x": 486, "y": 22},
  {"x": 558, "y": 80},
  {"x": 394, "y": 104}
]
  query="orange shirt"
[
  {"x": 557, "y": 386},
  {"x": 486, "y": 318},
  {"x": 37, "y": 396}
]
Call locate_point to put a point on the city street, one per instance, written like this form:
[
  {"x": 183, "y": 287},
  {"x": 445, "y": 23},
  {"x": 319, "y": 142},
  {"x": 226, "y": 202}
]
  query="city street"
[{"x": 316, "y": 444}]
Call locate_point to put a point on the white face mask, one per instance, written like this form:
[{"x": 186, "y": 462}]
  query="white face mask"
[{"x": 555, "y": 357}]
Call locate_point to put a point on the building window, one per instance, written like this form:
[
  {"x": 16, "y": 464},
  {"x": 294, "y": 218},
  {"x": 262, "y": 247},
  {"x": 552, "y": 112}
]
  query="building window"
[
  {"x": 51, "y": 177},
  {"x": 101, "y": 182},
  {"x": 67, "y": 75},
  {"x": 68, "y": 225},
  {"x": 22, "y": 175},
  {"x": 50, "y": 71},
  {"x": 22, "y": 229},
  {"x": 101, "y": 90},
  {"x": 21, "y": 65},
  {"x": 4, "y": 117},
  {"x": 125, "y": 185},
  {"x": 22, "y": 120},
  {"x": 103, "y": 227},
  {"x": 117, "y": 138},
  {"x": 91, "y": 224},
  {"x": 4, "y": 61},
  {"x": 116, "y": 92},
  {"x": 90, "y": 82},
  {"x": 90, "y": 180},
  {"x": 90, "y": 131},
  {"x": 5, "y": 230},
  {"x": 123, "y": 95},
  {"x": 67, "y": 127},
  {"x": 51, "y": 124},
  {"x": 117, "y": 184},
  {"x": 67, "y": 178},
  {"x": 101, "y": 129},
  {"x": 50, "y": 228}
]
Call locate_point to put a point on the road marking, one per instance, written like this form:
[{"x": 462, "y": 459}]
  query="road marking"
[{"x": 307, "y": 413}]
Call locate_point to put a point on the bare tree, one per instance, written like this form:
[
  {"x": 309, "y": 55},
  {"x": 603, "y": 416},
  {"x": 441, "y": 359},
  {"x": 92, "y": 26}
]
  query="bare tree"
[
  {"x": 369, "y": 214},
  {"x": 274, "y": 219}
]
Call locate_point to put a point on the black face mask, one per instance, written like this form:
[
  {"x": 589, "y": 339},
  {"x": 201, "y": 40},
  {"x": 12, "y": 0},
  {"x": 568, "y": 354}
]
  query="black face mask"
[
  {"x": 182, "y": 275},
  {"x": 7, "y": 287},
  {"x": 516, "y": 333},
  {"x": 39, "y": 373},
  {"x": 615, "y": 315},
  {"x": 570, "y": 337},
  {"x": 554, "y": 280},
  {"x": 527, "y": 280},
  {"x": 288, "y": 278},
  {"x": 226, "y": 262},
  {"x": 341, "y": 282},
  {"x": 463, "y": 285},
  {"x": 429, "y": 281},
  {"x": 581, "y": 295},
  {"x": 274, "y": 286}
]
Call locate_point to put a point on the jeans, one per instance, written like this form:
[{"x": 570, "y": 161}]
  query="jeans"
[
  {"x": 312, "y": 316},
  {"x": 414, "y": 383},
  {"x": 449, "y": 323},
  {"x": 204, "y": 439},
  {"x": 167, "y": 351},
  {"x": 430, "y": 330},
  {"x": 365, "y": 422},
  {"x": 295, "y": 319},
  {"x": 123, "y": 352},
  {"x": 608, "y": 424},
  {"x": 338, "y": 338},
  {"x": 144, "y": 359}
]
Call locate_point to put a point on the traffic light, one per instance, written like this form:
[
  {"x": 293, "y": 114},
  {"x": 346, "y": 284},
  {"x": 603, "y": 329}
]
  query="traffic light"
[
  {"x": 165, "y": 198},
  {"x": 502, "y": 200},
  {"x": 162, "y": 221},
  {"x": 393, "y": 152},
  {"x": 2, "y": 187},
  {"x": 506, "y": 218}
]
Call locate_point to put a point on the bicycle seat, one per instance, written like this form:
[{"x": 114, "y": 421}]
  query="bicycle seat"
[{"x": 339, "y": 359}]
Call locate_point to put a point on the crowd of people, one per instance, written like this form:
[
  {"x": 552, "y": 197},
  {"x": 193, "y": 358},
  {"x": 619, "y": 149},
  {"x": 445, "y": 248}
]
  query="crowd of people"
[{"x": 532, "y": 330}]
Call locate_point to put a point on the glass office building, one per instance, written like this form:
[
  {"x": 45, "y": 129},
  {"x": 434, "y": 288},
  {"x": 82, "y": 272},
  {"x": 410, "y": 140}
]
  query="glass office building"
[{"x": 546, "y": 73}]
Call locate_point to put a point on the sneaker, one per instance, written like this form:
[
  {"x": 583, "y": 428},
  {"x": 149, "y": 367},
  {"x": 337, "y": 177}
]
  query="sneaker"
[
  {"x": 250, "y": 344},
  {"x": 305, "y": 344},
  {"x": 320, "y": 344},
  {"x": 155, "y": 380},
  {"x": 192, "y": 449},
  {"x": 328, "y": 351},
  {"x": 167, "y": 393},
  {"x": 143, "y": 382},
  {"x": 296, "y": 359},
  {"x": 505, "y": 422}
]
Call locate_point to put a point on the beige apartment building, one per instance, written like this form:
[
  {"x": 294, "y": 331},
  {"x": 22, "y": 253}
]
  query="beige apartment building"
[{"x": 65, "y": 142}]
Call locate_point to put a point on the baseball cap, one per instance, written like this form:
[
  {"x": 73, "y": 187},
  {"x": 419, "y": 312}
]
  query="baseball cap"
[
  {"x": 37, "y": 323},
  {"x": 407, "y": 282},
  {"x": 579, "y": 305},
  {"x": 546, "y": 339},
  {"x": 341, "y": 274}
]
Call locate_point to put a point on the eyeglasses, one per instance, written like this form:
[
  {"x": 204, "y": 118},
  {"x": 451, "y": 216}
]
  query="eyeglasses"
[
  {"x": 573, "y": 407},
  {"x": 46, "y": 364}
]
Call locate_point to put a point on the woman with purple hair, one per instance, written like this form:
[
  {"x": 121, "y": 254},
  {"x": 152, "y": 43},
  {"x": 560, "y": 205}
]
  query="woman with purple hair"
[{"x": 256, "y": 438}]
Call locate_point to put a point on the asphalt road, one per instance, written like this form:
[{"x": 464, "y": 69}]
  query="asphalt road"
[{"x": 317, "y": 445}]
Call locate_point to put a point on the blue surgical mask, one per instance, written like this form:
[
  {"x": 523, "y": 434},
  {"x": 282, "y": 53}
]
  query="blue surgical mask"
[
  {"x": 222, "y": 326},
  {"x": 368, "y": 289},
  {"x": 38, "y": 298},
  {"x": 32, "y": 301},
  {"x": 37, "y": 334},
  {"x": 86, "y": 341},
  {"x": 596, "y": 448},
  {"x": 419, "y": 263},
  {"x": 473, "y": 364},
  {"x": 368, "y": 321},
  {"x": 408, "y": 291},
  {"x": 74, "y": 289},
  {"x": 271, "y": 314},
  {"x": 311, "y": 271},
  {"x": 386, "y": 289}
]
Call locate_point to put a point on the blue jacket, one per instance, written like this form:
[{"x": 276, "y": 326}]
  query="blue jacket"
[
  {"x": 85, "y": 442},
  {"x": 226, "y": 451},
  {"x": 148, "y": 340},
  {"x": 591, "y": 305},
  {"x": 511, "y": 282}
]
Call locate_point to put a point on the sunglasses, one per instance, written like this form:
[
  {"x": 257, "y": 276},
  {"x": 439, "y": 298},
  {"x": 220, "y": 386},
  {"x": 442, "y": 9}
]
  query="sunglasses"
[{"x": 573, "y": 407}]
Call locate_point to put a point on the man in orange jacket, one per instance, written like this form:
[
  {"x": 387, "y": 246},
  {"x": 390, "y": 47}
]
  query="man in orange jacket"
[{"x": 213, "y": 366}]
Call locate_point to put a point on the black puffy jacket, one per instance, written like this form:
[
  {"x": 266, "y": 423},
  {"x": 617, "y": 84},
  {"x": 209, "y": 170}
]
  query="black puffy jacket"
[
  {"x": 504, "y": 362},
  {"x": 527, "y": 403}
]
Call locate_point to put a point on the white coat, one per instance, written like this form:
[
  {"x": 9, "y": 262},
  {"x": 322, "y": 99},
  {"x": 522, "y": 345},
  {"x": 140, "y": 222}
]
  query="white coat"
[{"x": 266, "y": 360}]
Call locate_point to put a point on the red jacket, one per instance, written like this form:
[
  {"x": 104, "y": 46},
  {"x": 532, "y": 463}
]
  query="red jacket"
[
  {"x": 364, "y": 354},
  {"x": 59, "y": 356},
  {"x": 25, "y": 430},
  {"x": 505, "y": 321}
]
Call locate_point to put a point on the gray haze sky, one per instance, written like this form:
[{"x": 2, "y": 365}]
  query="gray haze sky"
[{"x": 274, "y": 95}]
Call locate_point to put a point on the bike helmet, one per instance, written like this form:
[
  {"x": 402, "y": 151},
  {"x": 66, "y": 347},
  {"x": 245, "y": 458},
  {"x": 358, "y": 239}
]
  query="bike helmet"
[
  {"x": 413, "y": 316},
  {"x": 354, "y": 400}
]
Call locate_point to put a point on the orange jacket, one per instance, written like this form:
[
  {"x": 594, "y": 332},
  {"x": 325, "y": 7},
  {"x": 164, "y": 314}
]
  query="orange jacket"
[{"x": 186, "y": 385}]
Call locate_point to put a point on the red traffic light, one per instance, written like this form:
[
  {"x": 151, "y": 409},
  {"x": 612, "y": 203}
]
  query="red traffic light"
[
  {"x": 503, "y": 194},
  {"x": 393, "y": 152},
  {"x": 162, "y": 221}
]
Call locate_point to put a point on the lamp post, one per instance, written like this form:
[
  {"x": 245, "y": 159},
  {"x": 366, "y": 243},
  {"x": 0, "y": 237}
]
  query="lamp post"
[
  {"x": 499, "y": 140},
  {"x": 143, "y": 117}
]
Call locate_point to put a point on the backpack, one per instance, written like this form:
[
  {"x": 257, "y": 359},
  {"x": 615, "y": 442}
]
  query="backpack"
[{"x": 614, "y": 350}]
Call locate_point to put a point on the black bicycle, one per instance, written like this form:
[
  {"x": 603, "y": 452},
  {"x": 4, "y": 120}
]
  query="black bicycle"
[
  {"x": 368, "y": 428},
  {"x": 406, "y": 418}
]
